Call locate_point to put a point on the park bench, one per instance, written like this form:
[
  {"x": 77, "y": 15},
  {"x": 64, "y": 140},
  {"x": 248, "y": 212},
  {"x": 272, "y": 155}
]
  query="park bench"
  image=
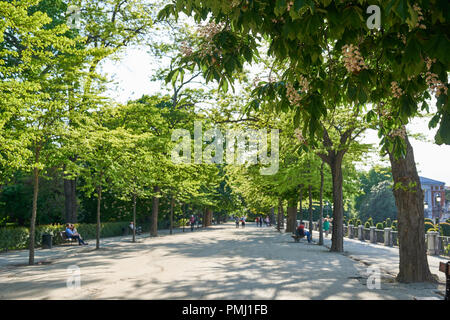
[
  {"x": 66, "y": 239},
  {"x": 297, "y": 238}
]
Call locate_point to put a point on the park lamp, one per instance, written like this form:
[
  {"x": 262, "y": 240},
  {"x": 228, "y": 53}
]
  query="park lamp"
[
  {"x": 438, "y": 198},
  {"x": 425, "y": 204}
]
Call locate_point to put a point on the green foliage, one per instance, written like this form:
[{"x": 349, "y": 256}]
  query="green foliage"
[
  {"x": 394, "y": 225},
  {"x": 380, "y": 226},
  {"x": 429, "y": 226},
  {"x": 18, "y": 238},
  {"x": 367, "y": 224},
  {"x": 379, "y": 204},
  {"x": 445, "y": 229},
  {"x": 388, "y": 223}
]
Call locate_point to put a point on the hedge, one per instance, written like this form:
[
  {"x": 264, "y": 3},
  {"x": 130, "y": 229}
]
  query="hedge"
[
  {"x": 445, "y": 229},
  {"x": 18, "y": 237}
]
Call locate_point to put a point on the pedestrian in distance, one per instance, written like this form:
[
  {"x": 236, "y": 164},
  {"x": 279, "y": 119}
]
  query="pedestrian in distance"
[{"x": 236, "y": 219}]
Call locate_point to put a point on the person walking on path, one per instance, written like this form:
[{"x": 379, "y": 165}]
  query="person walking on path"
[
  {"x": 257, "y": 221},
  {"x": 260, "y": 221},
  {"x": 236, "y": 219},
  {"x": 326, "y": 226},
  {"x": 243, "y": 221},
  {"x": 192, "y": 222}
]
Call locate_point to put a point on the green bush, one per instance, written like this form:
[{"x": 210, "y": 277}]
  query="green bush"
[
  {"x": 380, "y": 226},
  {"x": 429, "y": 220},
  {"x": 394, "y": 225},
  {"x": 445, "y": 229},
  {"x": 429, "y": 226},
  {"x": 447, "y": 250},
  {"x": 358, "y": 223},
  {"x": 367, "y": 224},
  {"x": 18, "y": 237},
  {"x": 388, "y": 223}
]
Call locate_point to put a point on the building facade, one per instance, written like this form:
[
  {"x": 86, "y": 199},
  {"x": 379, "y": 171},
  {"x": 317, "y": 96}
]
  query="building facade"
[{"x": 432, "y": 191}]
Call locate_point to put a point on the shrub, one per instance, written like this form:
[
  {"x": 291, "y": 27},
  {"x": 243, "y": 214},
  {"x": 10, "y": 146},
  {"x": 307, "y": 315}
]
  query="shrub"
[
  {"x": 445, "y": 229},
  {"x": 367, "y": 224},
  {"x": 18, "y": 237},
  {"x": 380, "y": 226},
  {"x": 388, "y": 223},
  {"x": 351, "y": 221},
  {"x": 358, "y": 223},
  {"x": 394, "y": 225},
  {"x": 429, "y": 220},
  {"x": 429, "y": 226},
  {"x": 447, "y": 250}
]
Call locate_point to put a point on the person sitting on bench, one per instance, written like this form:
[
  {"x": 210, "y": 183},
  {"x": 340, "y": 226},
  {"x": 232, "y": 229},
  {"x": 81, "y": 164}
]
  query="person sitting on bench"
[
  {"x": 300, "y": 231},
  {"x": 138, "y": 229},
  {"x": 72, "y": 233}
]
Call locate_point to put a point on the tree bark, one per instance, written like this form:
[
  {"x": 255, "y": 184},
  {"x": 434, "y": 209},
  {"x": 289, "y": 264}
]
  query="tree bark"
[
  {"x": 134, "y": 217},
  {"x": 291, "y": 215},
  {"x": 409, "y": 201},
  {"x": 154, "y": 218},
  {"x": 279, "y": 215},
  {"x": 300, "y": 205},
  {"x": 172, "y": 203},
  {"x": 321, "y": 206},
  {"x": 311, "y": 226},
  {"x": 272, "y": 215},
  {"x": 70, "y": 201},
  {"x": 337, "y": 240},
  {"x": 99, "y": 200},
  {"x": 34, "y": 212}
]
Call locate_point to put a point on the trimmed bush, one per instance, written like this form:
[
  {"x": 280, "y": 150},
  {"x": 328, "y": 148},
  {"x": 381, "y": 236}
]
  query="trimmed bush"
[
  {"x": 380, "y": 226},
  {"x": 367, "y": 225},
  {"x": 388, "y": 223},
  {"x": 18, "y": 237},
  {"x": 429, "y": 226},
  {"x": 358, "y": 223},
  {"x": 445, "y": 229},
  {"x": 394, "y": 225},
  {"x": 429, "y": 220}
]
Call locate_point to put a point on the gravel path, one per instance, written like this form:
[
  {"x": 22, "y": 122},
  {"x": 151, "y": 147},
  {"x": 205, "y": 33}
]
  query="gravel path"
[{"x": 221, "y": 262}]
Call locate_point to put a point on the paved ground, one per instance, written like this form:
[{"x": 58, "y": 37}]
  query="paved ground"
[{"x": 221, "y": 262}]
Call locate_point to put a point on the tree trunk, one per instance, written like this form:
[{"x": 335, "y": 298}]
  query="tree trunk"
[
  {"x": 99, "y": 200},
  {"x": 291, "y": 215},
  {"x": 184, "y": 214},
  {"x": 409, "y": 201},
  {"x": 70, "y": 196},
  {"x": 279, "y": 215},
  {"x": 321, "y": 206},
  {"x": 337, "y": 240},
  {"x": 272, "y": 215},
  {"x": 154, "y": 218},
  {"x": 34, "y": 211},
  {"x": 172, "y": 203},
  {"x": 134, "y": 217},
  {"x": 208, "y": 217},
  {"x": 300, "y": 206},
  {"x": 311, "y": 226}
]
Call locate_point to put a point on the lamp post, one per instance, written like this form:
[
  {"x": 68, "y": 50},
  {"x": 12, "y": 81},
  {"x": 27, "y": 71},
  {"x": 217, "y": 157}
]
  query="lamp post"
[
  {"x": 425, "y": 206},
  {"x": 438, "y": 201}
]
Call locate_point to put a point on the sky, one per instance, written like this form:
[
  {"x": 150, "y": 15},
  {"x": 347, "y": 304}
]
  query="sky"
[{"x": 132, "y": 74}]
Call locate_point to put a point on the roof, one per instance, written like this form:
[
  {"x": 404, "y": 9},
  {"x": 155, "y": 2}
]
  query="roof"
[{"x": 424, "y": 180}]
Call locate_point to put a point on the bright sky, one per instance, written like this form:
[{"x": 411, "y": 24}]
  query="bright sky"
[{"x": 132, "y": 76}]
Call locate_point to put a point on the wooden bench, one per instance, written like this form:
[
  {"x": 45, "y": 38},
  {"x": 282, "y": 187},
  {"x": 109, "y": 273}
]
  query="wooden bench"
[
  {"x": 297, "y": 238},
  {"x": 65, "y": 238},
  {"x": 445, "y": 268}
]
